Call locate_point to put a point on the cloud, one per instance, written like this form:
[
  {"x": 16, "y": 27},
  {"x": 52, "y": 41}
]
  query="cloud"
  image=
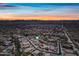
[
  {"x": 31, "y": 10},
  {"x": 6, "y": 6}
]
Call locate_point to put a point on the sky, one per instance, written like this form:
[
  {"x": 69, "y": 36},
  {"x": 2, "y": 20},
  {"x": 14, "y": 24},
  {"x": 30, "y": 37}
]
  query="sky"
[{"x": 39, "y": 11}]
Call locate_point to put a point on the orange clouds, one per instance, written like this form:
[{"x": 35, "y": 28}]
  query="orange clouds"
[{"x": 11, "y": 17}]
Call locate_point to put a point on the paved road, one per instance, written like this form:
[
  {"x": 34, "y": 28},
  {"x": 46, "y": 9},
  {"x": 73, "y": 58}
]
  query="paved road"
[{"x": 70, "y": 41}]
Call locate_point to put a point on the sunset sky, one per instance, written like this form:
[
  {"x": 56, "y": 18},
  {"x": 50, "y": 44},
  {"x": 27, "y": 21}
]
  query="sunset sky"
[{"x": 39, "y": 11}]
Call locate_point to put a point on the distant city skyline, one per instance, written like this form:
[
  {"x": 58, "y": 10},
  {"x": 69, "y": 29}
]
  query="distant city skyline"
[{"x": 39, "y": 11}]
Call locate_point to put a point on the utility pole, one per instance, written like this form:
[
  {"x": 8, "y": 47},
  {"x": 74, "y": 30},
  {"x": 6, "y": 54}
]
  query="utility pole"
[{"x": 60, "y": 51}]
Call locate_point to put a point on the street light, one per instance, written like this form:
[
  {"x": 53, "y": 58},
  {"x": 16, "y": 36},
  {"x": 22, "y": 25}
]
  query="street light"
[{"x": 37, "y": 37}]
